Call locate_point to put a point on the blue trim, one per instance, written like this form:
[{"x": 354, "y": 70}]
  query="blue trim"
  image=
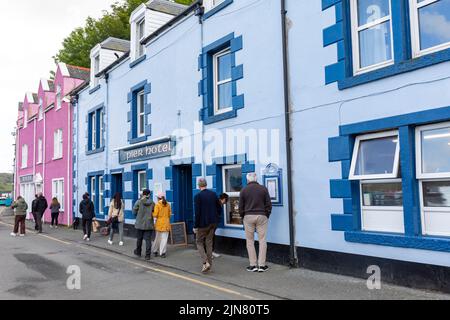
[
  {"x": 206, "y": 87},
  {"x": 279, "y": 178},
  {"x": 132, "y": 113},
  {"x": 97, "y": 110},
  {"x": 96, "y": 88},
  {"x": 340, "y": 34},
  {"x": 91, "y": 152},
  {"x": 340, "y": 150},
  {"x": 216, "y": 9},
  {"x": 138, "y": 61}
]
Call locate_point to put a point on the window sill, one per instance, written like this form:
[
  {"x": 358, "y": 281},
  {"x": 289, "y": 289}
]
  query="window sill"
[
  {"x": 138, "y": 61},
  {"x": 59, "y": 158},
  {"x": 398, "y": 68},
  {"x": 91, "y": 152},
  {"x": 220, "y": 117},
  {"x": 216, "y": 9},
  {"x": 96, "y": 88},
  {"x": 138, "y": 140},
  {"x": 398, "y": 240}
]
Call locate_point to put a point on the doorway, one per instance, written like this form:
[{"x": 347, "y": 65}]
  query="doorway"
[
  {"x": 116, "y": 184},
  {"x": 183, "y": 202}
]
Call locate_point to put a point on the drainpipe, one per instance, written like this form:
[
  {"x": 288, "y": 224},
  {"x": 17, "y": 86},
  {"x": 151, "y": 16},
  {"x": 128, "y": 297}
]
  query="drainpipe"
[
  {"x": 106, "y": 130},
  {"x": 293, "y": 259}
]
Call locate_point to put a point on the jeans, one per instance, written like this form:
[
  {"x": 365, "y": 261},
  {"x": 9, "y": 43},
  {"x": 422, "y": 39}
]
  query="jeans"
[
  {"x": 259, "y": 224},
  {"x": 19, "y": 221},
  {"x": 120, "y": 227},
  {"x": 87, "y": 227},
  {"x": 55, "y": 216},
  {"x": 147, "y": 236},
  {"x": 205, "y": 237}
]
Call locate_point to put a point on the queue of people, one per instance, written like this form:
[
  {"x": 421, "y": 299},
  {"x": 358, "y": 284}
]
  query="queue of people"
[{"x": 152, "y": 221}]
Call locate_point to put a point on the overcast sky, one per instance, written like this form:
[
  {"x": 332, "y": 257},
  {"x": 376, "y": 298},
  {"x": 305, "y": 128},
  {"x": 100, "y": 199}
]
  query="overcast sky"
[{"x": 31, "y": 32}]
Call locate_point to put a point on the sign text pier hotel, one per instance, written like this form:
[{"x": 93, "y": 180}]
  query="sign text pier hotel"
[{"x": 150, "y": 150}]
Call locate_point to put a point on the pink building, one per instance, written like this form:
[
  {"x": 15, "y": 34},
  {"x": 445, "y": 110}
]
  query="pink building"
[{"x": 44, "y": 141}]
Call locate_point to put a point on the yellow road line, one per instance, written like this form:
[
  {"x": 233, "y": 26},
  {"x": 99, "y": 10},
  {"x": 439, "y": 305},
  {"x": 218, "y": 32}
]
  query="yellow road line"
[{"x": 169, "y": 273}]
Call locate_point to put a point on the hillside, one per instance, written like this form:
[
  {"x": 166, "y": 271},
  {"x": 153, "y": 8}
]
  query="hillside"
[{"x": 6, "y": 182}]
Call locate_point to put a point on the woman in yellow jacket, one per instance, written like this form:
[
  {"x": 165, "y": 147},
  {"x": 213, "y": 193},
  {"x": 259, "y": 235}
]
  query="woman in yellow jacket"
[{"x": 162, "y": 215}]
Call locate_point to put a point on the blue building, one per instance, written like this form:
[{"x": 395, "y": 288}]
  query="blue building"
[{"x": 210, "y": 91}]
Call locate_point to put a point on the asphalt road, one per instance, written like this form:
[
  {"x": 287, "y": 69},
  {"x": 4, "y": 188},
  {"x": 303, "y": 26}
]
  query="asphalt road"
[{"x": 35, "y": 267}]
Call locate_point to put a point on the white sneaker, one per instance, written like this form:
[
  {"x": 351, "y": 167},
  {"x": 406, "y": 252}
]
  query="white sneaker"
[
  {"x": 55, "y": 227},
  {"x": 216, "y": 255},
  {"x": 51, "y": 227},
  {"x": 13, "y": 234},
  {"x": 110, "y": 242},
  {"x": 85, "y": 237},
  {"x": 22, "y": 235},
  {"x": 121, "y": 243},
  {"x": 206, "y": 268}
]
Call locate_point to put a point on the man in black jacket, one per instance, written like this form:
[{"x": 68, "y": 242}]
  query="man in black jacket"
[
  {"x": 255, "y": 207},
  {"x": 33, "y": 212},
  {"x": 41, "y": 206},
  {"x": 87, "y": 211},
  {"x": 207, "y": 210}
]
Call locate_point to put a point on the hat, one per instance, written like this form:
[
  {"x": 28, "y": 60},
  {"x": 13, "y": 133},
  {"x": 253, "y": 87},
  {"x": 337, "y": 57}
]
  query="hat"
[{"x": 161, "y": 195}]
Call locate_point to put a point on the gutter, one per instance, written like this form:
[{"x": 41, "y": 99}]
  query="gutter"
[{"x": 293, "y": 259}]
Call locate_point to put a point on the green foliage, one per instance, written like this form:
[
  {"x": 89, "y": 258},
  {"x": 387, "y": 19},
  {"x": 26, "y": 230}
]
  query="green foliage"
[
  {"x": 6, "y": 182},
  {"x": 77, "y": 46}
]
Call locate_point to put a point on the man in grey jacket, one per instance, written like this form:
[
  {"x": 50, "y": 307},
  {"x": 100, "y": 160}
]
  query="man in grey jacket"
[
  {"x": 143, "y": 210},
  {"x": 255, "y": 208}
]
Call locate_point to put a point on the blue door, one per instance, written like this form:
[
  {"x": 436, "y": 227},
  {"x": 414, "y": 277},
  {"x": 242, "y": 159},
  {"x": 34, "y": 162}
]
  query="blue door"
[
  {"x": 116, "y": 184},
  {"x": 183, "y": 204}
]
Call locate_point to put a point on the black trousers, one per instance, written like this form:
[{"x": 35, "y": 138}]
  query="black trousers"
[
  {"x": 87, "y": 226},
  {"x": 39, "y": 221},
  {"x": 147, "y": 236},
  {"x": 55, "y": 216},
  {"x": 35, "y": 221}
]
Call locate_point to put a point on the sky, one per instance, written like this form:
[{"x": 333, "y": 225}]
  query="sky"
[{"x": 31, "y": 32}]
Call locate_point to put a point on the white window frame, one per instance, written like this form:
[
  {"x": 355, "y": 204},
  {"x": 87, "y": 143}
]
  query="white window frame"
[
  {"x": 93, "y": 190},
  {"x": 101, "y": 192},
  {"x": 40, "y": 151},
  {"x": 373, "y": 136},
  {"x": 58, "y": 144},
  {"x": 139, "y": 180},
  {"x": 140, "y": 48},
  {"x": 356, "y": 29},
  {"x": 140, "y": 130},
  {"x": 415, "y": 30},
  {"x": 217, "y": 83},
  {"x": 58, "y": 191},
  {"x": 230, "y": 194},
  {"x": 41, "y": 109},
  {"x": 24, "y": 156},
  {"x": 93, "y": 120},
  {"x": 419, "y": 173},
  {"x": 58, "y": 97},
  {"x": 96, "y": 62},
  {"x": 100, "y": 128}
]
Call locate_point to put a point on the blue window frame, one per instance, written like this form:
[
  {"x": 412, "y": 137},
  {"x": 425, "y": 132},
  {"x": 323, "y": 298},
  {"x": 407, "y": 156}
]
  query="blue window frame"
[
  {"x": 140, "y": 108},
  {"x": 96, "y": 189},
  {"x": 96, "y": 126},
  {"x": 397, "y": 28}
]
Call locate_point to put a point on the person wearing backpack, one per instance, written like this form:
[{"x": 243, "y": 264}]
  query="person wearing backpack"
[
  {"x": 55, "y": 206},
  {"x": 116, "y": 218},
  {"x": 162, "y": 215},
  {"x": 143, "y": 210}
]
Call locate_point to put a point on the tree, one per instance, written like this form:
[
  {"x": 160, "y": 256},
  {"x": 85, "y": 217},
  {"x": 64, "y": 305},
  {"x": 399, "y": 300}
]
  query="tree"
[{"x": 77, "y": 46}]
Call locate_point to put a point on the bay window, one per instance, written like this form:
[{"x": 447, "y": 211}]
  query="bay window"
[
  {"x": 375, "y": 164},
  {"x": 433, "y": 172},
  {"x": 222, "y": 82},
  {"x": 232, "y": 185},
  {"x": 372, "y": 39},
  {"x": 430, "y": 25}
]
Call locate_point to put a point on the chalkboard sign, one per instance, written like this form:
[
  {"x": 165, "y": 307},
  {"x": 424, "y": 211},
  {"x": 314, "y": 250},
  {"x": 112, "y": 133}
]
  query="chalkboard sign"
[{"x": 178, "y": 235}]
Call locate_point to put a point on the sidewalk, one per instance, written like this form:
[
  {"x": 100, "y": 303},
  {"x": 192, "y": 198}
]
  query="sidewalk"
[{"x": 279, "y": 282}]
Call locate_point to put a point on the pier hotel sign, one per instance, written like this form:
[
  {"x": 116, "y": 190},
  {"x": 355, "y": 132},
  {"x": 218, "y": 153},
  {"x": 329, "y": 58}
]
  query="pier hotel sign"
[{"x": 151, "y": 150}]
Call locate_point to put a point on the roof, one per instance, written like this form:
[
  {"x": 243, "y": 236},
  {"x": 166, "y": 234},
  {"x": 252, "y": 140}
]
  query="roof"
[
  {"x": 165, "y": 6},
  {"x": 116, "y": 44},
  {"x": 79, "y": 72}
]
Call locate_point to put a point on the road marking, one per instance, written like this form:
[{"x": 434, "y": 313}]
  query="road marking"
[{"x": 169, "y": 273}]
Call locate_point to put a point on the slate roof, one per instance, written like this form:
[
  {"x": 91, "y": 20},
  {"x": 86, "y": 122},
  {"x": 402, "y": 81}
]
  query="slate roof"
[
  {"x": 165, "y": 6},
  {"x": 79, "y": 72},
  {"x": 116, "y": 44}
]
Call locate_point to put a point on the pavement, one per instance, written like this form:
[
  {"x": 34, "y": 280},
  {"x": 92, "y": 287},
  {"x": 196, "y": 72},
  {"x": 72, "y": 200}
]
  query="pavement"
[{"x": 35, "y": 267}]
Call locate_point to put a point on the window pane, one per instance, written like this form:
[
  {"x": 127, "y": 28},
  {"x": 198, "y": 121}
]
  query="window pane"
[
  {"x": 142, "y": 181},
  {"x": 436, "y": 194},
  {"x": 224, "y": 67},
  {"x": 141, "y": 124},
  {"x": 436, "y": 151},
  {"x": 382, "y": 195},
  {"x": 375, "y": 45},
  {"x": 376, "y": 156},
  {"x": 372, "y": 10},
  {"x": 232, "y": 211},
  {"x": 141, "y": 107},
  {"x": 225, "y": 96},
  {"x": 434, "y": 24},
  {"x": 233, "y": 180}
]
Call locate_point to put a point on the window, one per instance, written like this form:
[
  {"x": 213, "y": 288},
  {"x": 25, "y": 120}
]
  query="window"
[
  {"x": 141, "y": 181},
  {"x": 25, "y": 118},
  {"x": 40, "y": 151},
  {"x": 58, "y": 191},
  {"x": 41, "y": 109},
  {"x": 95, "y": 139},
  {"x": 58, "y": 144},
  {"x": 24, "y": 156},
  {"x": 232, "y": 185},
  {"x": 372, "y": 39},
  {"x": 375, "y": 164},
  {"x": 430, "y": 26},
  {"x": 140, "y": 35},
  {"x": 93, "y": 119},
  {"x": 222, "y": 82},
  {"x": 93, "y": 190},
  {"x": 140, "y": 112},
  {"x": 96, "y": 70},
  {"x": 58, "y": 97},
  {"x": 101, "y": 194},
  {"x": 433, "y": 170}
]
